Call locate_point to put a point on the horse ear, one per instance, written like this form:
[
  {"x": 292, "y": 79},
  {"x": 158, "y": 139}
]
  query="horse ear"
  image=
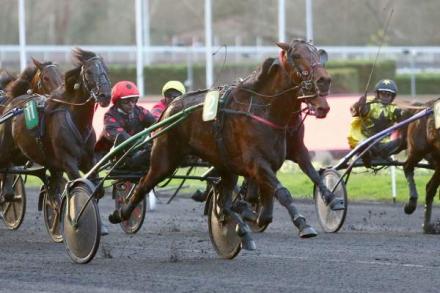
[
  {"x": 283, "y": 45},
  {"x": 36, "y": 63}
]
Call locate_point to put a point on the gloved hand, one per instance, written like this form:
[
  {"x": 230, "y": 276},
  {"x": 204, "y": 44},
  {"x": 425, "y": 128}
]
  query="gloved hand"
[{"x": 139, "y": 161}]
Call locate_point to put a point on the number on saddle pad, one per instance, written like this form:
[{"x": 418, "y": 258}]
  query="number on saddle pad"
[
  {"x": 437, "y": 114},
  {"x": 31, "y": 114},
  {"x": 210, "y": 105}
]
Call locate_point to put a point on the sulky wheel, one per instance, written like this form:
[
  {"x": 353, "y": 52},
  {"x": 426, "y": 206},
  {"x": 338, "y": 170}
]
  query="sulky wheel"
[
  {"x": 256, "y": 207},
  {"x": 121, "y": 193},
  {"x": 331, "y": 221},
  {"x": 81, "y": 235},
  {"x": 222, "y": 232},
  {"x": 52, "y": 213},
  {"x": 12, "y": 212}
]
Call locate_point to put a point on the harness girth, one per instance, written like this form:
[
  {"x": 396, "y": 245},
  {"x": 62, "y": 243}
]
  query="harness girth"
[{"x": 219, "y": 124}]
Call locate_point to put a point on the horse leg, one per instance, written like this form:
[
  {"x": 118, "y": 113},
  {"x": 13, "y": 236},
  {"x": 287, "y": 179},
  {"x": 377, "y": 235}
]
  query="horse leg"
[
  {"x": 163, "y": 161},
  {"x": 301, "y": 157},
  {"x": 7, "y": 192},
  {"x": 227, "y": 184},
  {"x": 431, "y": 188},
  {"x": 408, "y": 169},
  {"x": 272, "y": 187}
]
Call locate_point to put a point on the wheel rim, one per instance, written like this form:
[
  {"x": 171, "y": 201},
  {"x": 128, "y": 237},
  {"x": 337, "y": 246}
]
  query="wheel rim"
[
  {"x": 52, "y": 216},
  {"x": 256, "y": 207},
  {"x": 222, "y": 233},
  {"x": 81, "y": 240},
  {"x": 13, "y": 211},
  {"x": 121, "y": 191},
  {"x": 331, "y": 221}
]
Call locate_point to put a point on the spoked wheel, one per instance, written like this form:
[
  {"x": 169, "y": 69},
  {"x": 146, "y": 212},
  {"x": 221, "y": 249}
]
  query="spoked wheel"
[
  {"x": 330, "y": 221},
  {"x": 121, "y": 192},
  {"x": 52, "y": 213},
  {"x": 222, "y": 233},
  {"x": 256, "y": 207},
  {"x": 13, "y": 211},
  {"x": 81, "y": 235}
]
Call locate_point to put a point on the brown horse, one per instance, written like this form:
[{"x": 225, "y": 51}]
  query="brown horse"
[
  {"x": 5, "y": 79},
  {"x": 297, "y": 152},
  {"x": 65, "y": 140},
  {"x": 423, "y": 142},
  {"x": 40, "y": 79},
  {"x": 248, "y": 137}
]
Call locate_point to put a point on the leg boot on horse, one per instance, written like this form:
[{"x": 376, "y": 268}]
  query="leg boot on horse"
[
  {"x": 8, "y": 192},
  {"x": 284, "y": 197}
]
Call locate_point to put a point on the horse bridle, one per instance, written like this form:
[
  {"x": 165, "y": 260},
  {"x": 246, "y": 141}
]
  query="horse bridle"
[
  {"x": 92, "y": 92},
  {"x": 307, "y": 84},
  {"x": 40, "y": 75},
  {"x": 102, "y": 76}
]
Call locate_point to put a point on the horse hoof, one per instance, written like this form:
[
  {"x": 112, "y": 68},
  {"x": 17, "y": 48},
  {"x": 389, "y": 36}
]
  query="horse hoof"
[
  {"x": 337, "y": 204},
  {"x": 409, "y": 208},
  {"x": 249, "y": 215},
  {"x": 431, "y": 229},
  {"x": 308, "y": 232},
  {"x": 264, "y": 221},
  {"x": 248, "y": 244},
  {"x": 115, "y": 217}
]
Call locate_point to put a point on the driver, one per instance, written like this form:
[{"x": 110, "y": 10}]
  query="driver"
[
  {"x": 171, "y": 90},
  {"x": 373, "y": 114},
  {"x": 124, "y": 119}
]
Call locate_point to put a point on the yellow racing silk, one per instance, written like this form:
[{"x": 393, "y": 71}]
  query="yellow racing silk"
[{"x": 375, "y": 118}]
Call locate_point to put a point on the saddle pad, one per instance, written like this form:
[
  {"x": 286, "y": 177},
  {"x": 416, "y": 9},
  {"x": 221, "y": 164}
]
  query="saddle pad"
[
  {"x": 210, "y": 106},
  {"x": 31, "y": 114},
  {"x": 437, "y": 114}
]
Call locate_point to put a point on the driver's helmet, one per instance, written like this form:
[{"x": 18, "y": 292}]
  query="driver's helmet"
[
  {"x": 386, "y": 85},
  {"x": 173, "y": 85},
  {"x": 124, "y": 90}
]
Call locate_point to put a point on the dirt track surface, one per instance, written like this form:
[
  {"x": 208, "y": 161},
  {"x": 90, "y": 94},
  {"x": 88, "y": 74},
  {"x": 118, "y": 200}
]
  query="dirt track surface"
[{"x": 378, "y": 250}]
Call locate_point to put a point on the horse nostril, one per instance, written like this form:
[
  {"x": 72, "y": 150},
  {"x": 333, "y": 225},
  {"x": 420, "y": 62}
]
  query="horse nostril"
[{"x": 324, "y": 81}]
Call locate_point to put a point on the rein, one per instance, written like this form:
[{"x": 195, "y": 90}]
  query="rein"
[{"x": 70, "y": 103}]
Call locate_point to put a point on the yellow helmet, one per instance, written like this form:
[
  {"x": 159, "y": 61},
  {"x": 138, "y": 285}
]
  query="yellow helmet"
[{"x": 174, "y": 84}]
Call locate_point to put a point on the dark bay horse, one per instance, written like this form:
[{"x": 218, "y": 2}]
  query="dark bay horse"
[
  {"x": 248, "y": 138},
  {"x": 40, "y": 79},
  {"x": 67, "y": 140},
  {"x": 423, "y": 142},
  {"x": 5, "y": 79}
]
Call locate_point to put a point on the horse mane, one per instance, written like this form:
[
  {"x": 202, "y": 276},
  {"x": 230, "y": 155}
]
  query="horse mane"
[
  {"x": 22, "y": 84},
  {"x": 257, "y": 78},
  {"x": 5, "y": 79},
  {"x": 71, "y": 78},
  {"x": 80, "y": 56}
]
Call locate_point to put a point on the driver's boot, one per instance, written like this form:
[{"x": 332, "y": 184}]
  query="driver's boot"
[{"x": 200, "y": 196}]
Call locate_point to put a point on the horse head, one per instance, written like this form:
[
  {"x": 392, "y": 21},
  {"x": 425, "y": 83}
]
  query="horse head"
[
  {"x": 47, "y": 77},
  {"x": 94, "y": 76},
  {"x": 304, "y": 65}
]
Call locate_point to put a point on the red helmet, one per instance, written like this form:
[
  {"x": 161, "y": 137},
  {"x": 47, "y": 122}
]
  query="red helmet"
[{"x": 123, "y": 90}]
